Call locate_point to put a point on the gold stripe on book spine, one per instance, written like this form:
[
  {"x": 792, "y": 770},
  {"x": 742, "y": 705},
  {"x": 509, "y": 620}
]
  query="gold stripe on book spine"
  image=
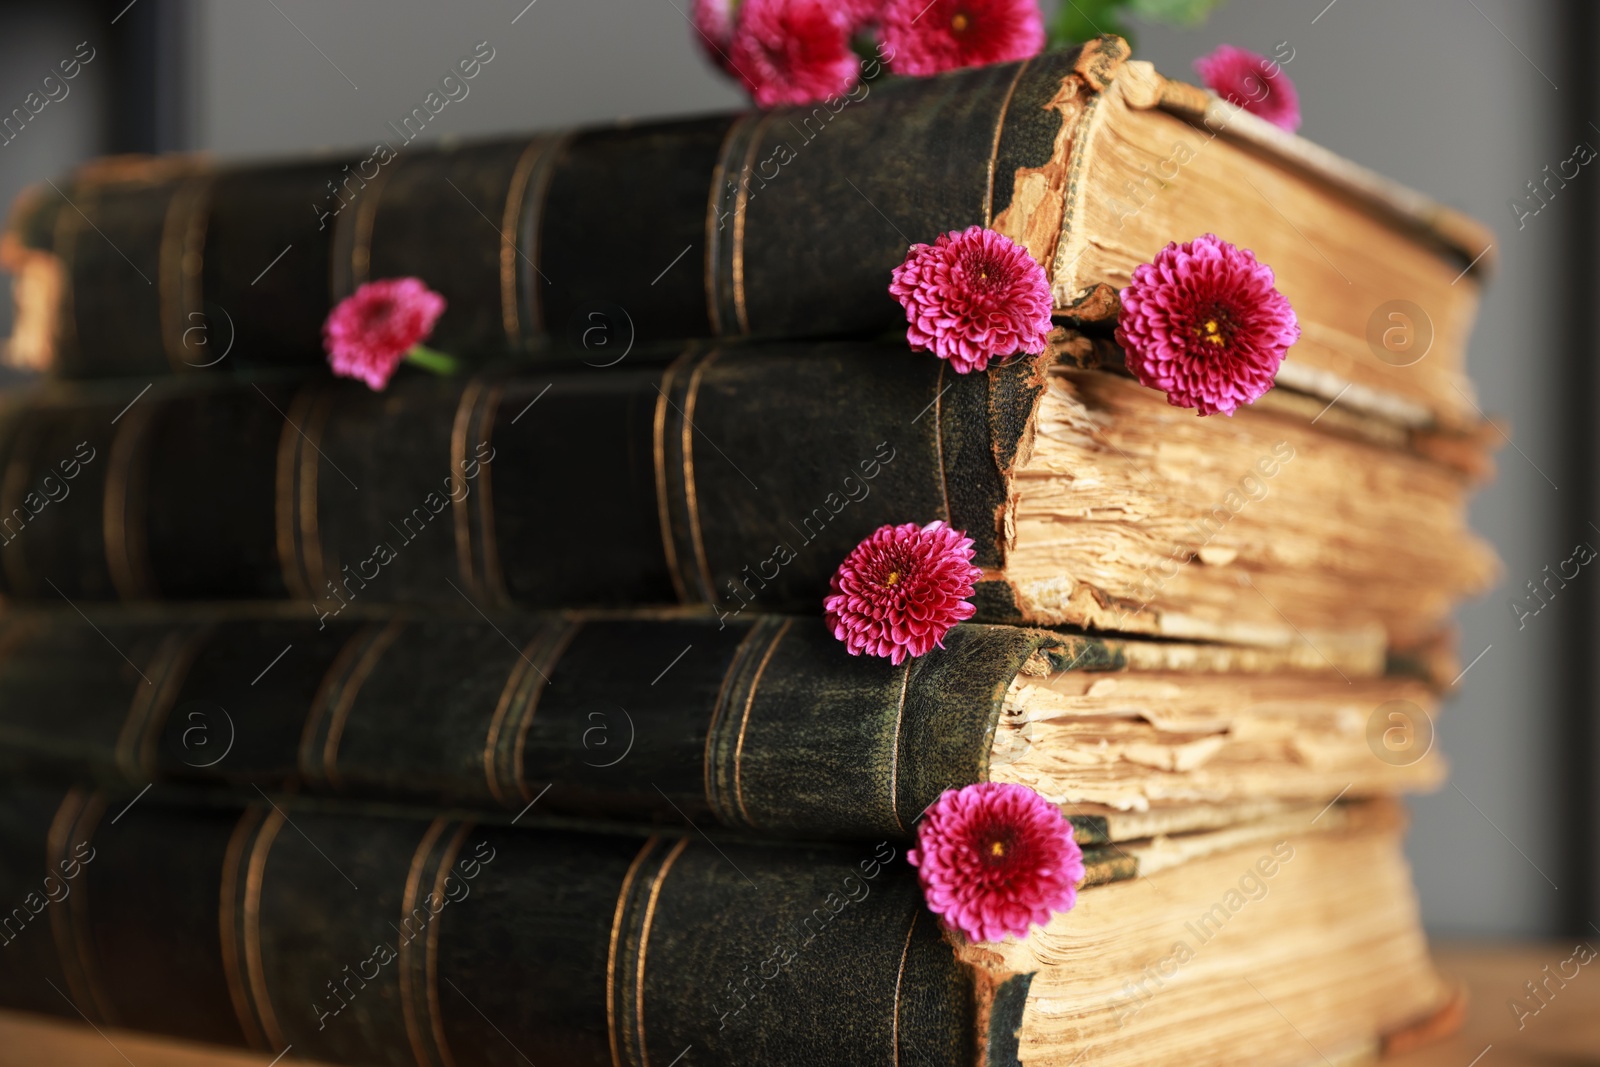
[
  {"x": 283, "y": 498},
  {"x": 493, "y": 581},
  {"x": 352, "y": 240},
  {"x": 295, "y": 494},
  {"x": 123, "y": 513},
  {"x": 407, "y": 958},
  {"x": 512, "y": 694},
  {"x": 326, "y": 698},
  {"x": 994, "y": 150},
  {"x": 309, "y": 469},
  {"x": 894, "y": 747},
  {"x": 255, "y": 969},
  {"x": 690, "y": 495},
  {"x": 731, "y": 712},
  {"x": 938, "y": 437},
  {"x": 477, "y": 551},
  {"x": 228, "y": 923},
  {"x": 75, "y": 823},
  {"x": 708, "y": 264},
  {"x": 431, "y": 971},
  {"x": 530, "y": 221},
  {"x": 164, "y": 675},
  {"x": 341, "y": 248},
  {"x": 715, "y": 770},
  {"x": 614, "y": 1009},
  {"x": 336, "y": 695},
  {"x": 644, "y": 945},
  {"x": 179, "y": 263},
  {"x": 460, "y": 513},
  {"x": 510, "y": 213},
  {"x": 744, "y": 722},
  {"x": 722, "y": 206},
  {"x": 349, "y": 689},
  {"x": 630, "y": 940},
  {"x": 508, "y": 733},
  {"x": 669, "y": 540},
  {"x": 691, "y": 500},
  {"x": 513, "y": 713},
  {"x": 741, "y": 210},
  {"x": 899, "y": 981},
  {"x": 558, "y": 637}
]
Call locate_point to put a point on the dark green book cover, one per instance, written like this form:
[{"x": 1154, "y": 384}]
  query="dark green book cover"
[
  {"x": 367, "y": 939},
  {"x": 762, "y": 724}
]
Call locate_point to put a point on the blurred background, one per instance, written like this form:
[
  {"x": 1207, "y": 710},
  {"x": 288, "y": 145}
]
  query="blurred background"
[{"x": 1469, "y": 101}]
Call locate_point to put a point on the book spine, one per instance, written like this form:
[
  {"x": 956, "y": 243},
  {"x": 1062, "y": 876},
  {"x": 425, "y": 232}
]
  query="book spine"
[
  {"x": 261, "y": 272},
  {"x": 580, "y": 487},
  {"x": 362, "y": 939},
  {"x": 129, "y": 293},
  {"x": 90, "y": 509},
  {"x": 762, "y": 725},
  {"x": 775, "y": 223}
]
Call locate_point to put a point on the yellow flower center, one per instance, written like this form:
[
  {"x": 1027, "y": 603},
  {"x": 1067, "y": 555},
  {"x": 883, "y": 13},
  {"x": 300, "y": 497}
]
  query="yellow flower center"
[
  {"x": 894, "y": 578},
  {"x": 960, "y": 22},
  {"x": 997, "y": 849},
  {"x": 1212, "y": 333}
]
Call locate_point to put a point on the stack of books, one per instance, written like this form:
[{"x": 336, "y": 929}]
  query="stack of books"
[{"x": 493, "y": 719}]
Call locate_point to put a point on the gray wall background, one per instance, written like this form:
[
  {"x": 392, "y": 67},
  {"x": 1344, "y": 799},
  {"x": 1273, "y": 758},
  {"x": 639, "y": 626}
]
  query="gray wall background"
[{"x": 1449, "y": 96}]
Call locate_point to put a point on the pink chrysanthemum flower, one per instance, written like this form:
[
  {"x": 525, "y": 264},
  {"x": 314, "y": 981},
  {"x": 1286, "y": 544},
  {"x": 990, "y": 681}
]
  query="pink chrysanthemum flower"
[
  {"x": 372, "y": 329},
  {"x": 926, "y": 38},
  {"x": 1205, "y": 323},
  {"x": 859, "y": 14},
  {"x": 1253, "y": 82},
  {"x": 898, "y": 592},
  {"x": 994, "y": 859},
  {"x": 713, "y": 29},
  {"x": 972, "y": 295},
  {"x": 792, "y": 51}
]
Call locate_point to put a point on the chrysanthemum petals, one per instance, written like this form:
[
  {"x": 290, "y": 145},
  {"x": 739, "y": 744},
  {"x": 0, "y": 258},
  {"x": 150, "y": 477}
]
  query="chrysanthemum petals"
[
  {"x": 924, "y": 37},
  {"x": 996, "y": 859},
  {"x": 1205, "y": 323},
  {"x": 899, "y": 591},
  {"x": 371, "y": 330},
  {"x": 789, "y": 51},
  {"x": 971, "y": 296},
  {"x": 1253, "y": 82}
]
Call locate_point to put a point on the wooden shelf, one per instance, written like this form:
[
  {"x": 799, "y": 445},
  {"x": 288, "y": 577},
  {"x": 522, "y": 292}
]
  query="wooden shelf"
[{"x": 1564, "y": 1032}]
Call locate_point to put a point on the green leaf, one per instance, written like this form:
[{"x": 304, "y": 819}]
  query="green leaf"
[
  {"x": 1173, "y": 12},
  {"x": 430, "y": 359},
  {"x": 1077, "y": 21}
]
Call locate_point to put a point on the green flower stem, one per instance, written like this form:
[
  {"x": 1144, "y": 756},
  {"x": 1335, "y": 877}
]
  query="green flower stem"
[{"x": 431, "y": 360}]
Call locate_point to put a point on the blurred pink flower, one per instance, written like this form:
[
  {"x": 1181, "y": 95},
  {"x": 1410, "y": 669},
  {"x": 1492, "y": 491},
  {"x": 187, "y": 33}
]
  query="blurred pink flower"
[
  {"x": 372, "y": 329},
  {"x": 792, "y": 51},
  {"x": 1253, "y": 82},
  {"x": 928, "y": 37}
]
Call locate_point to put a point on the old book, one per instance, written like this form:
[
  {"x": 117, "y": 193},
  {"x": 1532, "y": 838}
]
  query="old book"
[
  {"x": 762, "y": 725},
  {"x": 359, "y": 939},
  {"x": 739, "y": 478},
  {"x": 777, "y": 224}
]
